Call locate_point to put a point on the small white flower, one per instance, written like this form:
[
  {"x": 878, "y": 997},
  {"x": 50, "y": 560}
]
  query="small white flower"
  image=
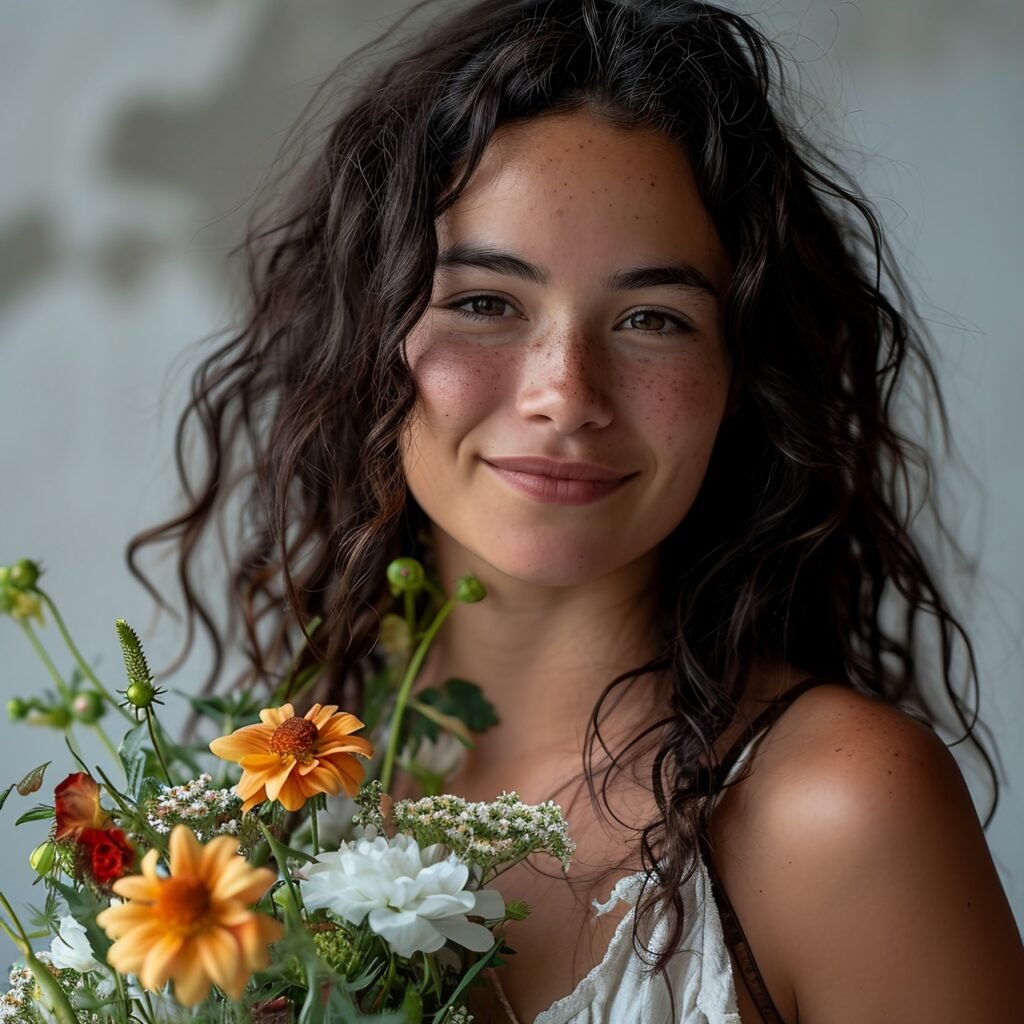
[
  {"x": 70, "y": 949},
  {"x": 443, "y": 756},
  {"x": 413, "y": 899}
]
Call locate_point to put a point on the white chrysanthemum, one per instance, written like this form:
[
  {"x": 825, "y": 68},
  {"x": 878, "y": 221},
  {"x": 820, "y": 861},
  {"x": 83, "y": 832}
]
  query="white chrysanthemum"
[
  {"x": 71, "y": 949},
  {"x": 414, "y": 899}
]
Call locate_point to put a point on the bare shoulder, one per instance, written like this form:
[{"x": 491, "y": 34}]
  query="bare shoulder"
[{"x": 874, "y": 867}]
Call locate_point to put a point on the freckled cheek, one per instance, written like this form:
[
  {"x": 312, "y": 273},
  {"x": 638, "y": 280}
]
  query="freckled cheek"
[
  {"x": 458, "y": 383},
  {"x": 680, "y": 403}
]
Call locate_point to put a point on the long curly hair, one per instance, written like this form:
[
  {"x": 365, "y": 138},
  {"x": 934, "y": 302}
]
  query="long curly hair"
[{"x": 800, "y": 543}]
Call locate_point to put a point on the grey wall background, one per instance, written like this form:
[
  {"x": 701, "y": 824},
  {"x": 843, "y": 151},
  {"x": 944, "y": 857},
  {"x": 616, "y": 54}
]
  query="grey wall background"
[{"x": 134, "y": 136}]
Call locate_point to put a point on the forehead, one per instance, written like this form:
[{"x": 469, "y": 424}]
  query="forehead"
[{"x": 572, "y": 188}]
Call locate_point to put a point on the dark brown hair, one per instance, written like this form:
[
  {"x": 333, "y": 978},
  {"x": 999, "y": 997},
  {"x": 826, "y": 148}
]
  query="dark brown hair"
[{"x": 800, "y": 543}]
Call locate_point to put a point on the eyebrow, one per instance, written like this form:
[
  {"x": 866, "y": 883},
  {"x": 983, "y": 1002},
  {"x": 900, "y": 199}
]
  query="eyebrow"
[{"x": 678, "y": 274}]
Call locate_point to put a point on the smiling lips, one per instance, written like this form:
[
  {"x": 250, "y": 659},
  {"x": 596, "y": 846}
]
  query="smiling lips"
[{"x": 558, "y": 483}]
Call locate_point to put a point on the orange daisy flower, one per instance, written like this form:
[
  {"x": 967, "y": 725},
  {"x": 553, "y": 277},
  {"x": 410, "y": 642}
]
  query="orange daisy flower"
[
  {"x": 194, "y": 926},
  {"x": 291, "y": 759}
]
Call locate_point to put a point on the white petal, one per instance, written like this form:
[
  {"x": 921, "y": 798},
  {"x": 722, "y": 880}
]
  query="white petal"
[
  {"x": 458, "y": 929},
  {"x": 405, "y": 933},
  {"x": 489, "y": 904},
  {"x": 443, "y": 905}
]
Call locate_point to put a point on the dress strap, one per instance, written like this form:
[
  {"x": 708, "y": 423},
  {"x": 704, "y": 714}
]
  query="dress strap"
[{"x": 731, "y": 929}]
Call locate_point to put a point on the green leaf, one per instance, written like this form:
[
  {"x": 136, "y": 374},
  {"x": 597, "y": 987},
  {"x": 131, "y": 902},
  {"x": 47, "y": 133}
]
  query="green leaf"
[
  {"x": 38, "y": 813},
  {"x": 33, "y": 781},
  {"x": 133, "y": 756},
  {"x": 6, "y": 793},
  {"x": 447, "y": 722},
  {"x": 467, "y": 980},
  {"x": 456, "y": 698}
]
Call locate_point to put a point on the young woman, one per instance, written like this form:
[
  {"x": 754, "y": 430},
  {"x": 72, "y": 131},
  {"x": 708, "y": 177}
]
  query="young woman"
[{"x": 562, "y": 300}]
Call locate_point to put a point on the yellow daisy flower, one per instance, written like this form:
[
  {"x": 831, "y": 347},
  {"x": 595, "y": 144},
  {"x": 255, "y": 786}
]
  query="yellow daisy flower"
[
  {"x": 194, "y": 926},
  {"x": 291, "y": 759}
]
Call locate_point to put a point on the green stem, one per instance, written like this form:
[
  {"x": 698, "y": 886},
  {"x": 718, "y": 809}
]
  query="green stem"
[
  {"x": 157, "y": 749},
  {"x": 105, "y": 740},
  {"x": 405, "y": 689},
  {"x": 48, "y": 984},
  {"x": 77, "y": 655},
  {"x": 410, "y": 611},
  {"x": 314, "y": 827},
  {"x": 47, "y": 661}
]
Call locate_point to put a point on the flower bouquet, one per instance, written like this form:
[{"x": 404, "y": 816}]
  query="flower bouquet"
[{"x": 257, "y": 877}]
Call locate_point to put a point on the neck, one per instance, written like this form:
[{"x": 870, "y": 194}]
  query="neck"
[{"x": 543, "y": 655}]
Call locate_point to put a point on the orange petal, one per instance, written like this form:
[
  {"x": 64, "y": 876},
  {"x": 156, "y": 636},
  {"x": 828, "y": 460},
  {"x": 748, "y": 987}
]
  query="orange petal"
[
  {"x": 159, "y": 961},
  {"x": 275, "y": 716},
  {"x": 291, "y": 793},
  {"x": 185, "y": 851},
  {"x": 275, "y": 783},
  {"x": 242, "y": 883},
  {"x": 191, "y": 982},
  {"x": 320, "y": 714},
  {"x": 346, "y": 745},
  {"x": 256, "y": 936},
  {"x": 257, "y": 798},
  {"x": 216, "y": 858},
  {"x": 252, "y": 739},
  {"x": 341, "y": 725},
  {"x": 218, "y": 951},
  {"x": 137, "y": 887}
]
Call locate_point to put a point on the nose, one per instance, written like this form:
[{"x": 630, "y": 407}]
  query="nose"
[{"x": 563, "y": 379}]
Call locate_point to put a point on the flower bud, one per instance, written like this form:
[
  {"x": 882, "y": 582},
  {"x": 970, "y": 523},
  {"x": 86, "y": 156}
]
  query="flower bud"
[
  {"x": 23, "y": 574},
  {"x": 405, "y": 575},
  {"x": 42, "y": 857},
  {"x": 469, "y": 590},
  {"x": 22, "y": 605},
  {"x": 141, "y": 694},
  {"x": 88, "y": 707},
  {"x": 517, "y": 910},
  {"x": 58, "y": 716},
  {"x": 18, "y": 709}
]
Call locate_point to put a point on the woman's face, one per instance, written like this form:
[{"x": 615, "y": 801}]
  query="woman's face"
[{"x": 576, "y": 317}]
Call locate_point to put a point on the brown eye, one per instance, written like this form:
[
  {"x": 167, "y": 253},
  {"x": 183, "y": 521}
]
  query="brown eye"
[
  {"x": 653, "y": 321},
  {"x": 646, "y": 316},
  {"x": 484, "y": 307}
]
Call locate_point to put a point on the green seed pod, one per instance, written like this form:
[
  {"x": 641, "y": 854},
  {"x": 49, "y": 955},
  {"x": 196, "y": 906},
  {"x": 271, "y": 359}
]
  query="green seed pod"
[
  {"x": 405, "y": 575},
  {"x": 7, "y": 599},
  {"x": 17, "y": 709},
  {"x": 517, "y": 910},
  {"x": 88, "y": 707},
  {"x": 141, "y": 694},
  {"x": 23, "y": 574},
  {"x": 42, "y": 857},
  {"x": 469, "y": 590}
]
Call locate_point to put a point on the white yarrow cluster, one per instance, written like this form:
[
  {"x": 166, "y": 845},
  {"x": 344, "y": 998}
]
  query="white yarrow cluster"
[
  {"x": 415, "y": 899},
  {"x": 209, "y": 812},
  {"x": 487, "y": 834}
]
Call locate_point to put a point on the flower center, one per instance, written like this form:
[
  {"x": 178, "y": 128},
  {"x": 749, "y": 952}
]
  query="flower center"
[
  {"x": 182, "y": 903},
  {"x": 296, "y": 737}
]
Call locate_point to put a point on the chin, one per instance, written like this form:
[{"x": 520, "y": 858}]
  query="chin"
[{"x": 547, "y": 564}]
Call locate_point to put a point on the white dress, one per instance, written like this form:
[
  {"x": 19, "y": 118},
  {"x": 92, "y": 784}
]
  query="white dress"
[{"x": 700, "y": 972}]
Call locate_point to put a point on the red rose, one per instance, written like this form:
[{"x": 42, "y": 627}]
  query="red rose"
[
  {"x": 77, "y": 806},
  {"x": 105, "y": 854}
]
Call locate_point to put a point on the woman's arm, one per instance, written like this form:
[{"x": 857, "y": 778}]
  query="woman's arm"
[{"x": 888, "y": 905}]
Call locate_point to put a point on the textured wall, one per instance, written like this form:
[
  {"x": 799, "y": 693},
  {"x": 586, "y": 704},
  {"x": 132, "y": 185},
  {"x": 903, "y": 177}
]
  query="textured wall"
[{"x": 135, "y": 135}]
